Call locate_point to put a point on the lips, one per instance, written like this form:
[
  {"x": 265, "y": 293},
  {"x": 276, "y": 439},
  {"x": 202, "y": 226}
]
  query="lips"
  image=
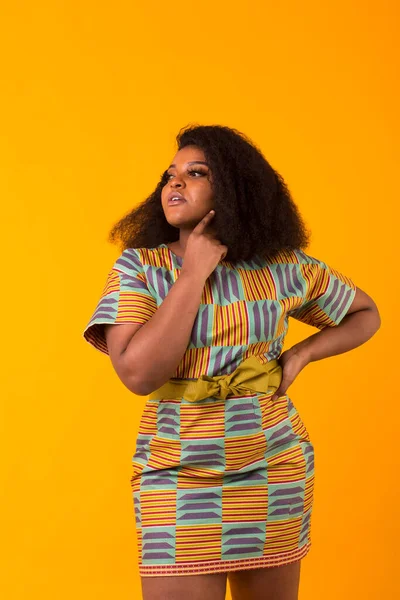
[
  {"x": 172, "y": 195},
  {"x": 175, "y": 202}
]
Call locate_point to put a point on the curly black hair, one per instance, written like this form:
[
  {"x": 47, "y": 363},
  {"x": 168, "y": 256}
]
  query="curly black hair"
[{"x": 255, "y": 214}]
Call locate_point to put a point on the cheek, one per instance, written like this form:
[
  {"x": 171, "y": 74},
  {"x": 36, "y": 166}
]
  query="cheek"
[{"x": 204, "y": 191}]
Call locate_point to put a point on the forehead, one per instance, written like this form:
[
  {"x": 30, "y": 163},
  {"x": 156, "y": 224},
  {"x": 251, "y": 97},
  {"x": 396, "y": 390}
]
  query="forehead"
[{"x": 187, "y": 155}]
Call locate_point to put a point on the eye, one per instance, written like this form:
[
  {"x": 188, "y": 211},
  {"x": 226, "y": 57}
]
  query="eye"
[{"x": 201, "y": 171}]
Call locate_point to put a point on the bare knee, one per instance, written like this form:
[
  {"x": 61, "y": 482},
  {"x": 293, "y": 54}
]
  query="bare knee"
[
  {"x": 196, "y": 587},
  {"x": 266, "y": 583}
]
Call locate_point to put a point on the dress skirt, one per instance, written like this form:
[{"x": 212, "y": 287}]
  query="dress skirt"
[{"x": 221, "y": 485}]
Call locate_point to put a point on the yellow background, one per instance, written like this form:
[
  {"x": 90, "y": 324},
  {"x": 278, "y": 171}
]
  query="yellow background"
[{"x": 92, "y": 96}]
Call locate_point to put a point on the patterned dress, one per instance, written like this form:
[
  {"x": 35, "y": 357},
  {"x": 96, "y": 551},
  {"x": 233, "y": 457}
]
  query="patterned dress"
[{"x": 223, "y": 485}]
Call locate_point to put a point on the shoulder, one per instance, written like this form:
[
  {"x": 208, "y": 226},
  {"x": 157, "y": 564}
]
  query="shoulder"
[
  {"x": 307, "y": 259},
  {"x": 293, "y": 257},
  {"x": 141, "y": 262},
  {"x": 128, "y": 262}
]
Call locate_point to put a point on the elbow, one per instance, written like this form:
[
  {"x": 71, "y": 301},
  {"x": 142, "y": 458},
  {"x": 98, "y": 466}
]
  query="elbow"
[
  {"x": 373, "y": 323},
  {"x": 133, "y": 379},
  {"x": 376, "y": 318},
  {"x": 138, "y": 387}
]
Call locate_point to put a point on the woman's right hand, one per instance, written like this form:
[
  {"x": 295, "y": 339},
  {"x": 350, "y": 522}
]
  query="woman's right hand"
[{"x": 203, "y": 252}]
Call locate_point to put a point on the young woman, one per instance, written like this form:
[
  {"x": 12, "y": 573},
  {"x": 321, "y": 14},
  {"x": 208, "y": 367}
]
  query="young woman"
[{"x": 212, "y": 266}]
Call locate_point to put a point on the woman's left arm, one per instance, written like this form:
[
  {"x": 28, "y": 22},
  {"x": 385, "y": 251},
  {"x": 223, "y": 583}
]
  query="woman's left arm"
[{"x": 361, "y": 322}]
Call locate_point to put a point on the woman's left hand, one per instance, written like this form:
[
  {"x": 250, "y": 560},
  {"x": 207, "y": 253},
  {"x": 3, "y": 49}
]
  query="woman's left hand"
[{"x": 292, "y": 362}]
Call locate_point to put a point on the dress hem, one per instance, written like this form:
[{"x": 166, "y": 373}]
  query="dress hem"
[{"x": 225, "y": 566}]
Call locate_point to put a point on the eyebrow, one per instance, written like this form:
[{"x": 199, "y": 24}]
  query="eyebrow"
[{"x": 193, "y": 162}]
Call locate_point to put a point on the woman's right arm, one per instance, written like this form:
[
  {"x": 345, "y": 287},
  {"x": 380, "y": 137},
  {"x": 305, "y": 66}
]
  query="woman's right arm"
[{"x": 146, "y": 356}]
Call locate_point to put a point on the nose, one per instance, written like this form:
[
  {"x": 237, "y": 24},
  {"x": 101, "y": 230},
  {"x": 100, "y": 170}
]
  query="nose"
[{"x": 175, "y": 183}]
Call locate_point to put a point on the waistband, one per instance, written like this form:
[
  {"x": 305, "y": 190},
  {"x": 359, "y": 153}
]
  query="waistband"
[{"x": 250, "y": 375}]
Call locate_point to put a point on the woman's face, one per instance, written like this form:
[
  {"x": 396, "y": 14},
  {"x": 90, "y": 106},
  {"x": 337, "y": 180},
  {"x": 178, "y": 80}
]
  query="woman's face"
[{"x": 191, "y": 177}]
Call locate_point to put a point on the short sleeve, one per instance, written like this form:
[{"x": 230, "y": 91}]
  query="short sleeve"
[
  {"x": 327, "y": 294},
  {"x": 125, "y": 298}
]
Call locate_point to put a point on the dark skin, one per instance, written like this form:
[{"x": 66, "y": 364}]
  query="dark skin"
[
  {"x": 192, "y": 178},
  {"x": 362, "y": 319},
  {"x": 359, "y": 324}
]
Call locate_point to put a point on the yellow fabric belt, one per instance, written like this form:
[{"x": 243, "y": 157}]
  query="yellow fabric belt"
[{"x": 250, "y": 375}]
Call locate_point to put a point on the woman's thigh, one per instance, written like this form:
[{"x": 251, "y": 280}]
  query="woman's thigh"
[
  {"x": 196, "y": 587},
  {"x": 266, "y": 583}
]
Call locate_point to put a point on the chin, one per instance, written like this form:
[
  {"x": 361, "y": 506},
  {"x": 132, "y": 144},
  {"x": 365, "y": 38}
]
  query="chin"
[{"x": 178, "y": 224}]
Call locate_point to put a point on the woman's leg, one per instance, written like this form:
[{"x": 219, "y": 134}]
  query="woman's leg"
[
  {"x": 266, "y": 583},
  {"x": 185, "y": 587}
]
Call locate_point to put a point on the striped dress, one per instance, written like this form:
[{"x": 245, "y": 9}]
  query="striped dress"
[{"x": 222, "y": 485}]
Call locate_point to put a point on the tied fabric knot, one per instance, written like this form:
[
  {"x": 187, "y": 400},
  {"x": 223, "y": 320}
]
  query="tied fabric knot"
[
  {"x": 251, "y": 375},
  {"x": 219, "y": 386}
]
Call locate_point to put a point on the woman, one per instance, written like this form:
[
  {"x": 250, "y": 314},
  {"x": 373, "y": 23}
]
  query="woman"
[{"x": 213, "y": 264}]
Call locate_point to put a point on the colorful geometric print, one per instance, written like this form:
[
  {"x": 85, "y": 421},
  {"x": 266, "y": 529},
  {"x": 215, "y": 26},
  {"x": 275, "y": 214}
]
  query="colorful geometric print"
[
  {"x": 244, "y": 308},
  {"x": 221, "y": 485}
]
